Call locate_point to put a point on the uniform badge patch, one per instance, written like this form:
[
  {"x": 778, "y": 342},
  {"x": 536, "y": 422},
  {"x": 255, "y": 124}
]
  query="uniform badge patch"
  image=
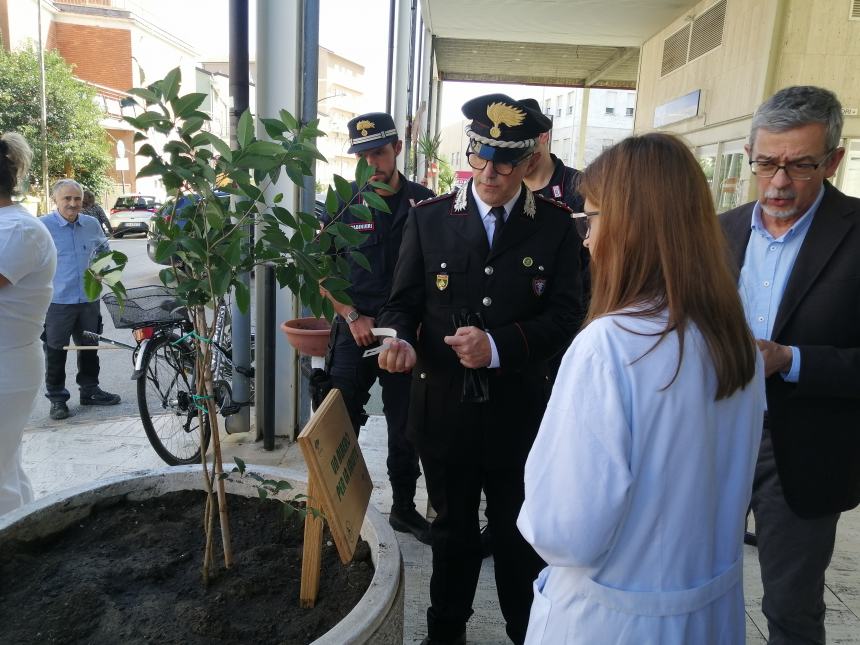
[
  {"x": 556, "y": 191},
  {"x": 441, "y": 281},
  {"x": 364, "y": 227},
  {"x": 539, "y": 286}
]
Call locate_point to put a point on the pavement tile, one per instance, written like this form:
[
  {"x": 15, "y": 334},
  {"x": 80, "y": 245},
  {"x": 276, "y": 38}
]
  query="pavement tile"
[{"x": 64, "y": 454}]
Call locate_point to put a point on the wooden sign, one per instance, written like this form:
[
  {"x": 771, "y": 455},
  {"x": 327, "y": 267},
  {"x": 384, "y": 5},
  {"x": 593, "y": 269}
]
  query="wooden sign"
[{"x": 338, "y": 482}]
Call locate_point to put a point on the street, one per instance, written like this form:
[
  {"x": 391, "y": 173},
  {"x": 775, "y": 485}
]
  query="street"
[{"x": 116, "y": 365}]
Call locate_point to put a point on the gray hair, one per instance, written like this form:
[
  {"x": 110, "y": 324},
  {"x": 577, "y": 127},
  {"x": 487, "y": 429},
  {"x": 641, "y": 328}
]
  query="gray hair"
[
  {"x": 62, "y": 183},
  {"x": 15, "y": 158},
  {"x": 793, "y": 107}
]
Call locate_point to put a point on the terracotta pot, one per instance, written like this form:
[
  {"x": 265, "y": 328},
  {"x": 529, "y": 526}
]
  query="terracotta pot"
[{"x": 308, "y": 335}]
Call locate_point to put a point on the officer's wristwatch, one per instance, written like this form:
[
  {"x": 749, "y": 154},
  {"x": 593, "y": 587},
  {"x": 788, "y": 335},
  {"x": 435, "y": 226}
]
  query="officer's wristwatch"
[{"x": 352, "y": 316}]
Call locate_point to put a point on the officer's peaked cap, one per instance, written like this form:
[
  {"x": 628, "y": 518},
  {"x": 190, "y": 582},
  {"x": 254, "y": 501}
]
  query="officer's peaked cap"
[
  {"x": 368, "y": 131},
  {"x": 503, "y": 129}
]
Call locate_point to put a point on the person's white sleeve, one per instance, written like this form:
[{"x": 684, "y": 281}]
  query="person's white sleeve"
[
  {"x": 494, "y": 353},
  {"x": 17, "y": 256},
  {"x": 577, "y": 476}
]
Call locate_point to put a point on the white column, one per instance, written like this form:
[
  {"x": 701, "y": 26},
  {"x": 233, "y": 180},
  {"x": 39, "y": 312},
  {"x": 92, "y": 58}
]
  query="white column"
[
  {"x": 400, "y": 81},
  {"x": 426, "y": 64},
  {"x": 583, "y": 127},
  {"x": 278, "y": 56}
]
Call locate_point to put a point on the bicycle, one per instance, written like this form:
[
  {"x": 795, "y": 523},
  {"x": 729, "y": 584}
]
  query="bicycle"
[{"x": 165, "y": 369}]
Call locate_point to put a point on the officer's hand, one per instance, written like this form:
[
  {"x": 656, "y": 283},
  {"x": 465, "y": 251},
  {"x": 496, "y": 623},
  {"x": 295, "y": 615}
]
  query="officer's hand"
[
  {"x": 472, "y": 346},
  {"x": 361, "y": 331},
  {"x": 777, "y": 358},
  {"x": 398, "y": 356}
]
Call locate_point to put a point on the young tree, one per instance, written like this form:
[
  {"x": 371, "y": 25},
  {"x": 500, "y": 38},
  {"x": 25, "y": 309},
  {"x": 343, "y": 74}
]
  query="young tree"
[{"x": 76, "y": 140}]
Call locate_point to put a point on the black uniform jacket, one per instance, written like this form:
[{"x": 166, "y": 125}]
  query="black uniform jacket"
[
  {"x": 369, "y": 289},
  {"x": 527, "y": 290},
  {"x": 815, "y": 423}
]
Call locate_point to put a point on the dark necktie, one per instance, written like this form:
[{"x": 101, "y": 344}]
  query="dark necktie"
[{"x": 499, "y": 213}]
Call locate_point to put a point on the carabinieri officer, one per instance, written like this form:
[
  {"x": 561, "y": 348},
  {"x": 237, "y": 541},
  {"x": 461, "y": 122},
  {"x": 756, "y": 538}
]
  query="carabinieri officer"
[
  {"x": 374, "y": 137},
  {"x": 490, "y": 274}
]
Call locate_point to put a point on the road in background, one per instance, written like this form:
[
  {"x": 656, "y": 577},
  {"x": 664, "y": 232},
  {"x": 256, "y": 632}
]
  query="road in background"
[{"x": 116, "y": 365}]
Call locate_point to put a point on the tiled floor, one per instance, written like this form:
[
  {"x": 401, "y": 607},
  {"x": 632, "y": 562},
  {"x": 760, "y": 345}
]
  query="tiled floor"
[{"x": 59, "y": 455}]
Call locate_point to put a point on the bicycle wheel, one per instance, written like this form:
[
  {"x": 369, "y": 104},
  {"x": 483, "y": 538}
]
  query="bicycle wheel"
[{"x": 165, "y": 399}]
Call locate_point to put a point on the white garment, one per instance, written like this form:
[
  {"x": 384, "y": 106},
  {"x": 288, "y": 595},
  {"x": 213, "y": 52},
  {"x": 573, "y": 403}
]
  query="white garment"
[
  {"x": 636, "y": 495},
  {"x": 28, "y": 260}
]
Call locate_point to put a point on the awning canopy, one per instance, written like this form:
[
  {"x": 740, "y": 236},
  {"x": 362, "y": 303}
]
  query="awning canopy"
[{"x": 571, "y": 43}]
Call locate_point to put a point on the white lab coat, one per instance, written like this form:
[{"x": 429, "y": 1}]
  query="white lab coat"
[{"x": 636, "y": 495}]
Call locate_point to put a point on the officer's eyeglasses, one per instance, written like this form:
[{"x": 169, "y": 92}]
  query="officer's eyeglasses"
[
  {"x": 582, "y": 221},
  {"x": 798, "y": 170},
  {"x": 501, "y": 167}
]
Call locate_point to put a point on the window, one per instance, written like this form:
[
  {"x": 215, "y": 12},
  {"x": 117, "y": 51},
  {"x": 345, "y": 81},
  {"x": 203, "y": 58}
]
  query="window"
[
  {"x": 628, "y": 112},
  {"x": 610, "y": 110},
  {"x": 570, "y": 109},
  {"x": 558, "y": 111}
]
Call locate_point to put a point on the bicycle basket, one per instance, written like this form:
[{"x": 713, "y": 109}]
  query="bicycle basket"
[{"x": 144, "y": 305}]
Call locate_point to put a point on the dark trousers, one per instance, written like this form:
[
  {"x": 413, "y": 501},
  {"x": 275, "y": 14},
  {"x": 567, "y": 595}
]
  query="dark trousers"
[
  {"x": 455, "y": 493},
  {"x": 63, "y": 322},
  {"x": 354, "y": 376},
  {"x": 793, "y": 553}
]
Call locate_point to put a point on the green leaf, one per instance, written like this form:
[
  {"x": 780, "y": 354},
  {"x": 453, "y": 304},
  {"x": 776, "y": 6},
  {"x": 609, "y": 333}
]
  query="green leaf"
[
  {"x": 289, "y": 120},
  {"x": 284, "y": 216},
  {"x": 375, "y": 201},
  {"x": 220, "y": 146},
  {"x": 360, "y": 260},
  {"x": 245, "y": 129},
  {"x": 183, "y": 106},
  {"x": 274, "y": 127},
  {"x": 283, "y": 485},
  {"x": 264, "y": 149},
  {"x": 361, "y": 211},
  {"x": 263, "y": 493},
  {"x": 352, "y": 237},
  {"x": 363, "y": 172},
  {"x": 233, "y": 254},
  {"x": 191, "y": 125},
  {"x": 170, "y": 84},
  {"x": 308, "y": 220},
  {"x": 331, "y": 202},
  {"x": 147, "y": 95},
  {"x": 243, "y": 297},
  {"x": 92, "y": 285},
  {"x": 382, "y": 186},
  {"x": 344, "y": 190},
  {"x": 335, "y": 284}
]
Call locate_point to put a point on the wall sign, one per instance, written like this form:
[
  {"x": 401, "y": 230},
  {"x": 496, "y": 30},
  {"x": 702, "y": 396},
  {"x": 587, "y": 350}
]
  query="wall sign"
[{"x": 677, "y": 109}]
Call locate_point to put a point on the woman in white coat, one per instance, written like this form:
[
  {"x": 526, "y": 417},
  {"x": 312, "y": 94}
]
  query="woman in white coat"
[
  {"x": 638, "y": 482},
  {"x": 28, "y": 259}
]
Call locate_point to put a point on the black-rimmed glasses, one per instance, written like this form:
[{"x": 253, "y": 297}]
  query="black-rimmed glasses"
[
  {"x": 797, "y": 170},
  {"x": 582, "y": 221},
  {"x": 501, "y": 167}
]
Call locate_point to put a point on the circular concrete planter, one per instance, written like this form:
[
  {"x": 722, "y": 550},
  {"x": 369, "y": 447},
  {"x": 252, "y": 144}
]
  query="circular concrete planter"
[{"x": 377, "y": 618}]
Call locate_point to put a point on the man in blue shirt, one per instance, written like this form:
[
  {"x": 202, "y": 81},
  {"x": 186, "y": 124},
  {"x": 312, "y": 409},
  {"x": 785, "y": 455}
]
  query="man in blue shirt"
[
  {"x": 78, "y": 239},
  {"x": 797, "y": 250}
]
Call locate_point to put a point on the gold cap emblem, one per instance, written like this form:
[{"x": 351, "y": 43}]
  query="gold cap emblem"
[
  {"x": 363, "y": 125},
  {"x": 508, "y": 115}
]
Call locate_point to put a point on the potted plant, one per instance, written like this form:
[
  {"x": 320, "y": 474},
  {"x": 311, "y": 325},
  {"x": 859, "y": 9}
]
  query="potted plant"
[{"x": 208, "y": 244}]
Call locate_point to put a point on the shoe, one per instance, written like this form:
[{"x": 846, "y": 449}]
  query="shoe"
[
  {"x": 750, "y": 538},
  {"x": 99, "y": 397},
  {"x": 486, "y": 542},
  {"x": 459, "y": 640},
  {"x": 59, "y": 410},
  {"x": 410, "y": 521}
]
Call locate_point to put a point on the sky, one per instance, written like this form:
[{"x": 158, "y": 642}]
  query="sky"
[{"x": 358, "y": 31}]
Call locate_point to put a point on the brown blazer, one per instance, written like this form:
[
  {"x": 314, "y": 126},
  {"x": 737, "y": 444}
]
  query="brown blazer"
[{"x": 815, "y": 423}]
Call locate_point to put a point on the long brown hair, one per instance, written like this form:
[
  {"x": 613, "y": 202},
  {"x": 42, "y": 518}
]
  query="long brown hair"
[{"x": 660, "y": 247}]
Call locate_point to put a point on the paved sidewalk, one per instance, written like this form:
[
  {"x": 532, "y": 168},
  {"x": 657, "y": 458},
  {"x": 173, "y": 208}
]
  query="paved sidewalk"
[{"x": 62, "y": 454}]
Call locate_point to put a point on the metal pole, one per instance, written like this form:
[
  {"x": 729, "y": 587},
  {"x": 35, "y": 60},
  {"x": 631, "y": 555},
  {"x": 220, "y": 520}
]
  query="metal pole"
[
  {"x": 390, "y": 57},
  {"x": 309, "y": 94},
  {"x": 266, "y": 402},
  {"x": 241, "y": 322},
  {"x": 43, "y": 98},
  {"x": 410, "y": 91}
]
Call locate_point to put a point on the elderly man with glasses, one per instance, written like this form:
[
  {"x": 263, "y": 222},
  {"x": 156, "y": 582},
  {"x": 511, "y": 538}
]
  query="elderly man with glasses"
[
  {"x": 797, "y": 253},
  {"x": 490, "y": 274}
]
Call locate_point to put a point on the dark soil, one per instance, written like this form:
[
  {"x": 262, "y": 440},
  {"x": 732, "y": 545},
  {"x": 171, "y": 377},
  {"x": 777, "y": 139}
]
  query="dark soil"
[{"x": 131, "y": 573}]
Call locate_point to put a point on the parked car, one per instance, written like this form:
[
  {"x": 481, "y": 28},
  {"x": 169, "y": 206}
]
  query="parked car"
[{"x": 131, "y": 214}]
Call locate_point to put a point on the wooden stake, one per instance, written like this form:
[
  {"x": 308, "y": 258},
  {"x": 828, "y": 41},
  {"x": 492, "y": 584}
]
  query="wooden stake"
[{"x": 311, "y": 550}]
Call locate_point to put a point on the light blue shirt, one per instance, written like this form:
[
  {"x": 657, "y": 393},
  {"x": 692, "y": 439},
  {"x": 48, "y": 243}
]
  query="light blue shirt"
[
  {"x": 767, "y": 266},
  {"x": 77, "y": 243},
  {"x": 489, "y": 222}
]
